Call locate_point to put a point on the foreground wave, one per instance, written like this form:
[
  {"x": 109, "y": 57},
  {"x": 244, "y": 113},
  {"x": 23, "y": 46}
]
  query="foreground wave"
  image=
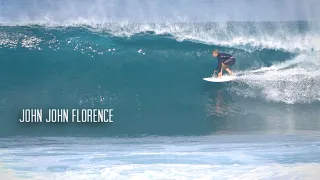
[{"x": 205, "y": 157}]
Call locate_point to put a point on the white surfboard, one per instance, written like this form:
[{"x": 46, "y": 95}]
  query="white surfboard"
[{"x": 222, "y": 79}]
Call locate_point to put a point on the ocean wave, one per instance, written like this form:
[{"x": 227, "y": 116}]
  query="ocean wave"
[
  {"x": 229, "y": 157},
  {"x": 293, "y": 37},
  {"x": 176, "y": 171},
  {"x": 293, "y": 81},
  {"x": 275, "y": 66}
]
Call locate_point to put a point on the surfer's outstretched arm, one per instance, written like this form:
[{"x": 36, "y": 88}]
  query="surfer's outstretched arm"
[{"x": 219, "y": 68}]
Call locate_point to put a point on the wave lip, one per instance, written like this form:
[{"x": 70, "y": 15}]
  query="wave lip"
[{"x": 294, "y": 37}]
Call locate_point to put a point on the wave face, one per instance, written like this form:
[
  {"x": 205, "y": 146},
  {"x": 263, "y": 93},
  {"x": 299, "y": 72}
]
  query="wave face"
[
  {"x": 147, "y": 63},
  {"x": 151, "y": 74}
]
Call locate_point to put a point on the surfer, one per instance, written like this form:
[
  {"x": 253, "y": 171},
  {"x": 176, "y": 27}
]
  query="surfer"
[{"x": 224, "y": 62}]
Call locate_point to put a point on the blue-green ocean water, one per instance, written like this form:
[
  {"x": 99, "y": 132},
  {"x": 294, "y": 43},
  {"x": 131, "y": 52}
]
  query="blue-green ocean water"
[
  {"x": 146, "y": 60},
  {"x": 153, "y": 80}
]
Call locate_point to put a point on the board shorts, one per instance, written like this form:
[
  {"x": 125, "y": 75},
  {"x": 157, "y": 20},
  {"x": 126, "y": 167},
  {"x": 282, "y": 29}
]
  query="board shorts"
[{"x": 230, "y": 62}]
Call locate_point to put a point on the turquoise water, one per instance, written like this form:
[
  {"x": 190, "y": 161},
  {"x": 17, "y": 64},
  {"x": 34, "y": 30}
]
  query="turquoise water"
[
  {"x": 147, "y": 64},
  {"x": 154, "y": 81}
]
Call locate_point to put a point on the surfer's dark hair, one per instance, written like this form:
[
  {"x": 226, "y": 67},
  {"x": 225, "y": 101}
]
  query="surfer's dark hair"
[{"x": 215, "y": 51}]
